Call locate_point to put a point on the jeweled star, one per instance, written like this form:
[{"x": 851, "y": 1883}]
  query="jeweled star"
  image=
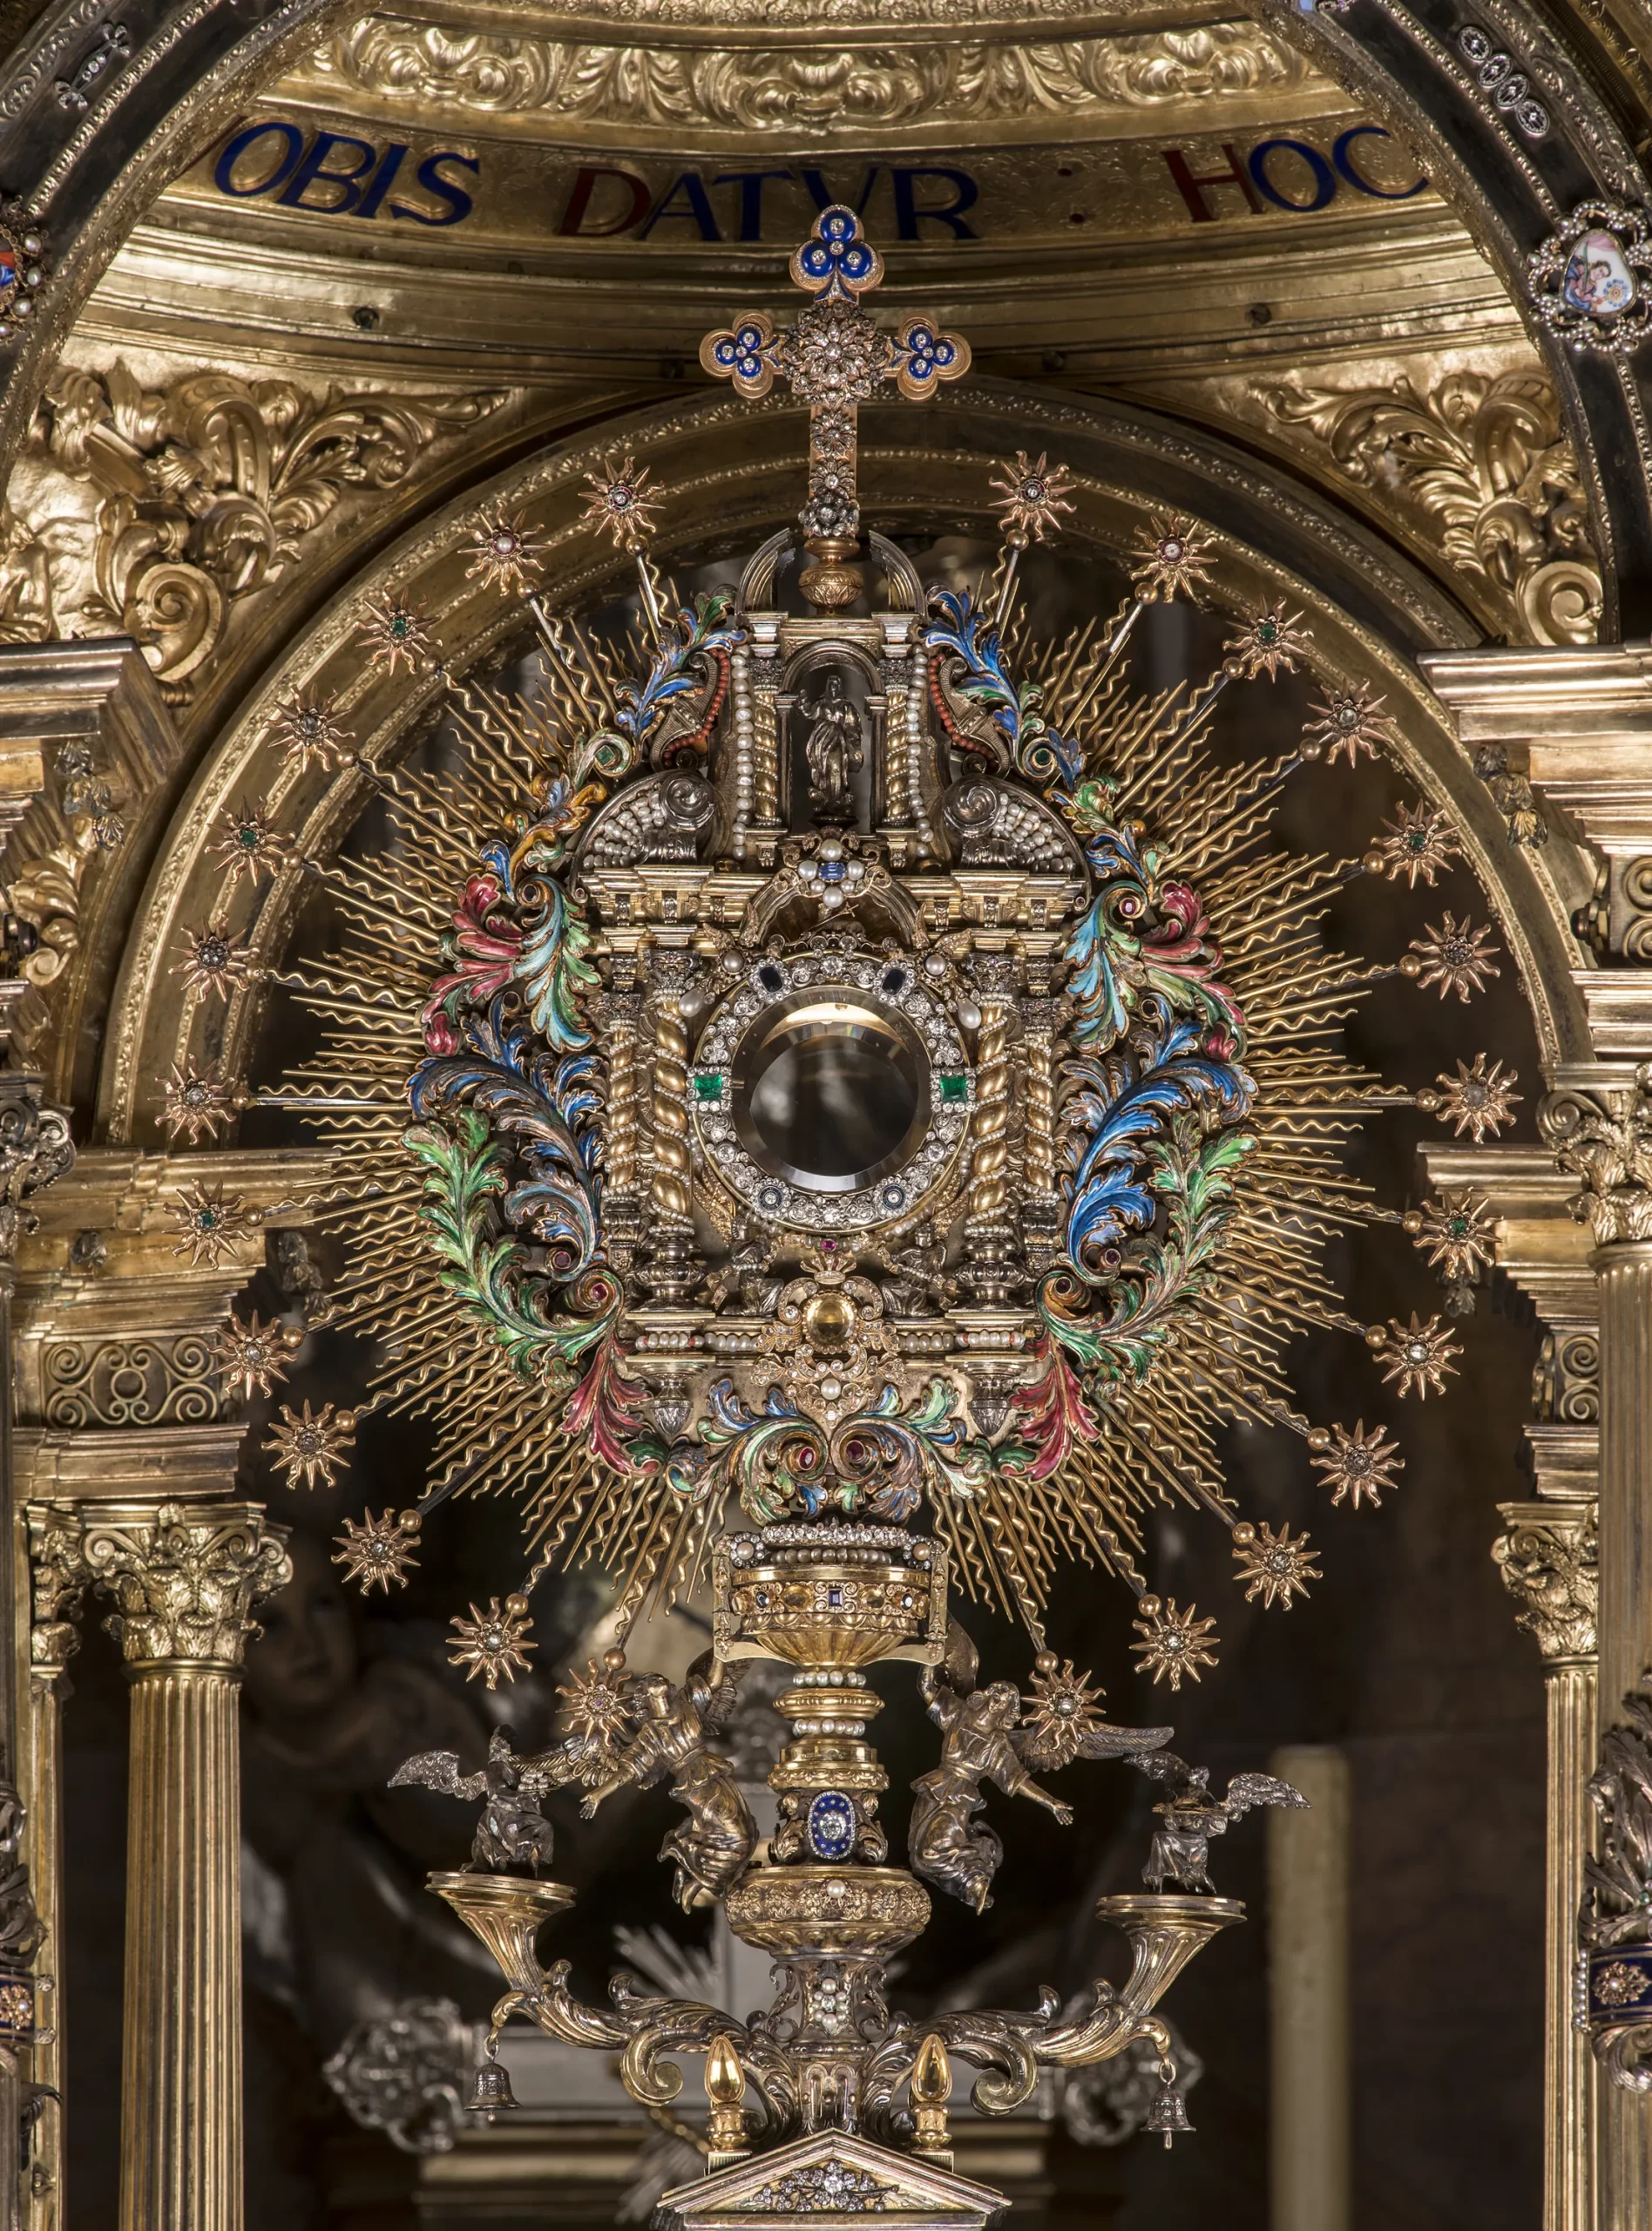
[
  {"x": 1358, "y": 1465},
  {"x": 1420, "y": 1357},
  {"x": 1032, "y": 496},
  {"x": 255, "y": 1354},
  {"x": 209, "y": 1222},
  {"x": 1419, "y": 843},
  {"x": 248, "y": 846},
  {"x": 194, "y": 1106},
  {"x": 1454, "y": 955},
  {"x": 1348, "y": 720},
  {"x": 309, "y": 1448},
  {"x": 1477, "y": 1100},
  {"x": 1277, "y": 1568},
  {"x": 1271, "y": 643},
  {"x": 396, "y": 635},
  {"x": 494, "y": 1642},
  {"x": 308, "y": 731},
  {"x": 594, "y": 1705},
  {"x": 1169, "y": 557},
  {"x": 1174, "y": 1643},
  {"x": 622, "y": 502},
  {"x": 1061, "y": 1710},
  {"x": 1456, "y": 1231},
  {"x": 506, "y": 554},
  {"x": 215, "y": 959},
  {"x": 379, "y": 1550}
]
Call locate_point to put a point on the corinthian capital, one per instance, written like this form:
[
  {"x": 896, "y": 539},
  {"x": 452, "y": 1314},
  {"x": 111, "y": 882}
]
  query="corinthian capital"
[
  {"x": 184, "y": 1578},
  {"x": 1604, "y": 1138},
  {"x": 35, "y": 1149},
  {"x": 1547, "y": 1558}
]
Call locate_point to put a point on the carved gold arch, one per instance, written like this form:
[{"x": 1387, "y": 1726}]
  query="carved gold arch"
[{"x": 728, "y": 473}]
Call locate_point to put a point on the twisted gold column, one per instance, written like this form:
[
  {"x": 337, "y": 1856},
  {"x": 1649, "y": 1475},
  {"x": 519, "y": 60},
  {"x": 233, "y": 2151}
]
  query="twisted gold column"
[
  {"x": 621, "y": 1210},
  {"x": 673, "y": 1267},
  {"x": 988, "y": 1235},
  {"x": 184, "y": 1579},
  {"x": 1547, "y": 1556},
  {"x": 1624, "y": 2157}
]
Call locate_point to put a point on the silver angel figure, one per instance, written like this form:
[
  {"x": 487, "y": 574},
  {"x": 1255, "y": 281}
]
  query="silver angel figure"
[
  {"x": 712, "y": 1850},
  {"x": 1189, "y": 1816},
  {"x": 512, "y": 1835},
  {"x": 985, "y": 1741},
  {"x": 832, "y": 748}
]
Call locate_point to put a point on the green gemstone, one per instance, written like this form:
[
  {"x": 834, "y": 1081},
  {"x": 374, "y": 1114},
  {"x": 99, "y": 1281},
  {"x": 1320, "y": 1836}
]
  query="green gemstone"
[
  {"x": 1267, "y": 631},
  {"x": 955, "y": 1086},
  {"x": 708, "y": 1084}
]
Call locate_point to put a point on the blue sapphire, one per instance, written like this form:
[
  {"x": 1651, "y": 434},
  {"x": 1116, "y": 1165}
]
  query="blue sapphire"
[
  {"x": 894, "y": 979},
  {"x": 770, "y": 978},
  {"x": 833, "y": 871},
  {"x": 831, "y": 1826}
]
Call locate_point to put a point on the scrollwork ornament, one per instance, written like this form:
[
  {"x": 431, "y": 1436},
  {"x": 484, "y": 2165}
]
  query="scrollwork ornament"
[
  {"x": 1605, "y": 1139},
  {"x": 1615, "y": 1921},
  {"x": 1589, "y": 281},
  {"x": 1548, "y": 1563},
  {"x": 185, "y": 1583},
  {"x": 35, "y": 1149}
]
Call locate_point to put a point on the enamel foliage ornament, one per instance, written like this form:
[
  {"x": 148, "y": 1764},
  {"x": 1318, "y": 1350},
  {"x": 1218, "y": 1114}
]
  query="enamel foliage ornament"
[{"x": 850, "y": 1116}]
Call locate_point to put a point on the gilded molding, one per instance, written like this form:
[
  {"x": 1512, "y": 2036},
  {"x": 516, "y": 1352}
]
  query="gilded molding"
[
  {"x": 1480, "y": 464},
  {"x": 815, "y": 92},
  {"x": 153, "y": 511},
  {"x": 184, "y": 1578},
  {"x": 1548, "y": 1558}
]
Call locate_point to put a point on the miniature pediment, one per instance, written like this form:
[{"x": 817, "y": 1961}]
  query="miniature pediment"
[{"x": 833, "y": 2178}]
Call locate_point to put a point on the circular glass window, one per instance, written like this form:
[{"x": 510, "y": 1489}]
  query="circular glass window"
[{"x": 831, "y": 1090}]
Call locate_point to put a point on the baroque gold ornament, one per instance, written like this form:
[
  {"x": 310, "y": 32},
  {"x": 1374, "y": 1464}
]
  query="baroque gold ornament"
[
  {"x": 210, "y": 1221},
  {"x": 852, "y": 1116},
  {"x": 309, "y": 1448}
]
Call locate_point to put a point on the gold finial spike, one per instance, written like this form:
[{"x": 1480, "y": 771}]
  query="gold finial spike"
[
  {"x": 725, "y": 2089},
  {"x": 931, "y": 2088},
  {"x": 835, "y": 358}
]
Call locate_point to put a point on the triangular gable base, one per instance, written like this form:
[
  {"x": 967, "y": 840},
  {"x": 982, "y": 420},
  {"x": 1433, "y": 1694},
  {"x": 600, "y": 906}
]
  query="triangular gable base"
[{"x": 833, "y": 2181}]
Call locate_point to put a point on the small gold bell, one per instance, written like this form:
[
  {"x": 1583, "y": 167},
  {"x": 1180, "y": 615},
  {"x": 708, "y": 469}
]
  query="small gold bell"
[{"x": 490, "y": 2090}]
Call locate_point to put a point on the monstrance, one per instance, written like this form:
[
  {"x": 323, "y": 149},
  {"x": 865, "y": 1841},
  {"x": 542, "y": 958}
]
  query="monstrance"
[{"x": 848, "y": 1112}]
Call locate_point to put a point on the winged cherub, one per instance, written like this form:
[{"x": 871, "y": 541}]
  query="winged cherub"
[
  {"x": 712, "y": 1849},
  {"x": 512, "y": 1835},
  {"x": 985, "y": 1740},
  {"x": 1189, "y": 1816}
]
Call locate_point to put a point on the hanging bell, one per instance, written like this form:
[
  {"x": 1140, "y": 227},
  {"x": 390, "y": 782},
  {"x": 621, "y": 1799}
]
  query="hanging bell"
[
  {"x": 1169, "y": 2114},
  {"x": 490, "y": 2090}
]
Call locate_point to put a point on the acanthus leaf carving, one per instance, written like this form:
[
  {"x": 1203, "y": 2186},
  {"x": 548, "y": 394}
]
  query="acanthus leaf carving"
[
  {"x": 1549, "y": 1560},
  {"x": 152, "y": 512},
  {"x": 1481, "y": 466},
  {"x": 185, "y": 1581},
  {"x": 1615, "y": 1922},
  {"x": 1604, "y": 1138}
]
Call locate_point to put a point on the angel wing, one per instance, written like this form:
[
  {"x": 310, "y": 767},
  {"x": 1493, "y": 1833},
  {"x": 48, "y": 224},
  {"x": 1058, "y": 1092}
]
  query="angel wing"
[
  {"x": 1162, "y": 1766},
  {"x": 1246, "y": 1790},
  {"x": 439, "y": 1770},
  {"x": 713, "y": 1686},
  {"x": 580, "y": 1759},
  {"x": 1051, "y": 1746}
]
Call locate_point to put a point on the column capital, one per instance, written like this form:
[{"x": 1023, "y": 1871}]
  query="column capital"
[
  {"x": 1548, "y": 1557},
  {"x": 1603, "y": 1136},
  {"x": 35, "y": 1149},
  {"x": 184, "y": 1577}
]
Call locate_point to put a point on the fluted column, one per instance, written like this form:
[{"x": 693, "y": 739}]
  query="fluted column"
[
  {"x": 184, "y": 1580},
  {"x": 1547, "y": 1556}
]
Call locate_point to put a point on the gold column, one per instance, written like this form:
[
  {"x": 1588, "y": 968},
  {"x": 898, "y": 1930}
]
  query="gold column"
[
  {"x": 184, "y": 1579},
  {"x": 1307, "y": 1989},
  {"x": 672, "y": 1265},
  {"x": 1547, "y": 1556}
]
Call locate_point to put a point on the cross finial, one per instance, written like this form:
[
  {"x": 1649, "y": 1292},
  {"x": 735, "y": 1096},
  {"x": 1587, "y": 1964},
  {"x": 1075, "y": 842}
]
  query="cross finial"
[{"x": 834, "y": 358}]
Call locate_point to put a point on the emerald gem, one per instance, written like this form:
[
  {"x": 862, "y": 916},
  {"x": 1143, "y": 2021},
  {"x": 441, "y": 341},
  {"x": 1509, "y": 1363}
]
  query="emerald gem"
[
  {"x": 708, "y": 1084},
  {"x": 955, "y": 1086}
]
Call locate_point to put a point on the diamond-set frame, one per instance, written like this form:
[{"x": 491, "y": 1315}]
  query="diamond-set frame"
[{"x": 897, "y": 1198}]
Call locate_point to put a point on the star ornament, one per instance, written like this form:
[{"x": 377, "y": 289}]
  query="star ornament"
[
  {"x": 1032, "y": 496},
  {"x": 1419, "y": 1357},
  {"x": 379, "y": 1550},
  {"x": 396, "y": 635},
  {"x": 309, "y": 1448},
  {"x": 255, "y": 1354},
  {"x": 506, "y": 554},
  {"x": 209, "y": 1222},
  {"x": 1358, "y": 1466},
  {"x": 1455, "y": 1231},
  {"x": 1277, "y": 1569},
  {"x": 1453, "y": 954},
  {"x": 1269, "y": 644},
  {"x": 215, "y": 959},
  {"x": 1062, "y": 1710},
  {"x": 194, "y": 1105},
  {"x": 621, "y": 502},
  {"x": 1479, "y": 1101},
  {"x": 1348, "y": 720},
  {"x": 248, "y": 846},
  {"x": 494, "y": 1642},
  {"x": 1419, "y": 844},
  {"x": 308, "y": 731},
  {"x": 595, "y": 1709},
  {"x": 1173, "y": 1642},
  {"x": 1169, "y": 558}
]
